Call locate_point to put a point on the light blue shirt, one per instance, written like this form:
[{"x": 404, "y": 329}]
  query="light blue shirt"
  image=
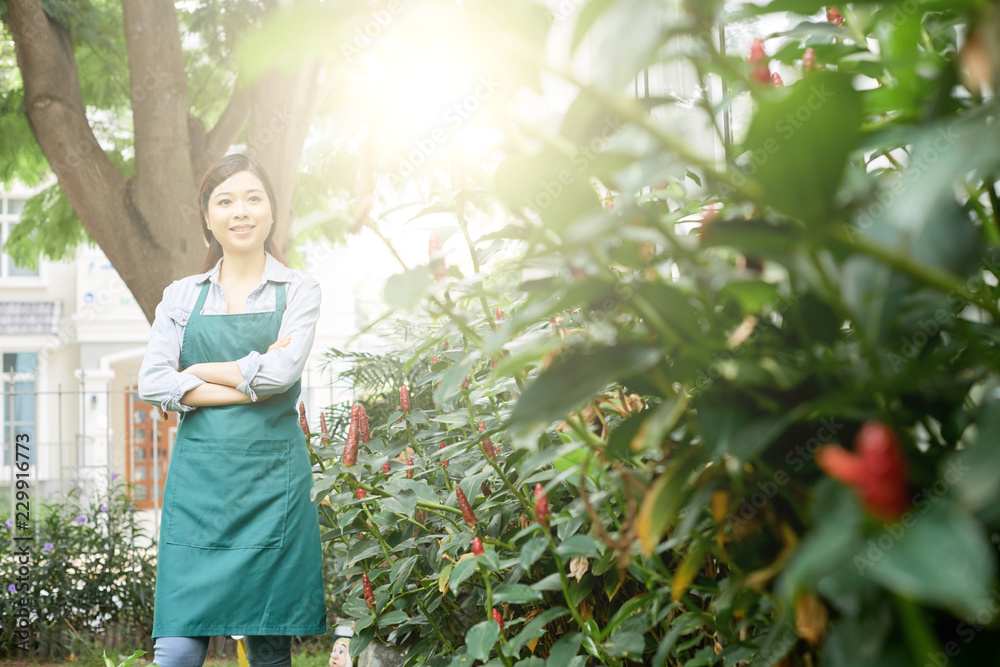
[{"x": 160, "y": 380}]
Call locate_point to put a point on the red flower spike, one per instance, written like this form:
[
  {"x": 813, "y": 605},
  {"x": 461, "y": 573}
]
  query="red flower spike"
[
  {"x": 368, "y": 592},
  {"x": 834, "y": 16},
  {"x": 487, "y": 443},
  {"x": 386, "y": 467},
  {"x": 542, "y": 511},
  {"x": 409, "y": 462},
  {"x": 303, "y": 422},
  {"x": 351, "y": 445},
  {"x": 360, "y": 493},
  {"x": 877, "y": 470},
  {"x": 499, "y": 314},
  {"x": 363, "y": 430},
  {"x": 322, "y": 424},
  {"x": 434, "y": 360},
  {"x": 404, "y": 399},
  {"x": 809, "y": 60},
  {"x": 776, "y": 81},
  {"x": 477, "y": 547},
  {"x": 759, "y": 70},
  {"x": 441, "y": 445},
  {"x": 498, "y": 618},
  {"x": 463, "y": 504}
]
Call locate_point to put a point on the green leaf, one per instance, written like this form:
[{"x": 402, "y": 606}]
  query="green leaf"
[
  {"x": 626, "y": 645},
  {"x": 579, "y": 545},
  {"x": 535, "y": 628},
  {"x": 799, "y": 142},
  {"x": 576, "y": 376},
  {"x": 942, "y": 558},
  {"x": 564, "y": 650},
  {"x": 516, "y": 594},
  {"x": 462, "y": 571},
  {"x": 400, "y": 573},
  {"x": 532, "y": 550},
  {"x": 481, "y": 638},
  {"x": 405, "y": 290},
  {"x": 392, "y": 618}
]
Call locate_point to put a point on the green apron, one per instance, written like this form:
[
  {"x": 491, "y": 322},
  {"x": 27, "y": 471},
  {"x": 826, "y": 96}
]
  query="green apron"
[{"x": 239, "y": 550}]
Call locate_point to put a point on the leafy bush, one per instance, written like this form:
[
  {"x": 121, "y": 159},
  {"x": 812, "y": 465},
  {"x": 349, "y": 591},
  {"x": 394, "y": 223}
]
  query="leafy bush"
[
  {"x": 87, "y": 576},
  {"x": 675, "y": 394}
]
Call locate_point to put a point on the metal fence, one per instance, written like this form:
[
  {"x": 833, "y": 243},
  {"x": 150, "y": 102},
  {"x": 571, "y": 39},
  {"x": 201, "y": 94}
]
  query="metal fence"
[{"x": 89, "y": 437}]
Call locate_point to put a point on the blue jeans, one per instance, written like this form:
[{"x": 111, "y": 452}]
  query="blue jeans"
[{"x": 262, "y": 651}]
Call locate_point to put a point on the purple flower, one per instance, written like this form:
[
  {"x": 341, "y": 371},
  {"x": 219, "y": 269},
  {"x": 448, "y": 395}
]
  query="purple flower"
[
  {"x": 114, "y": 475},
  {"x": 104, "y": 508},
  {"x": 12, "y": 588},
  {"x": 48, "y": 546},
  {"x": 130, "y": 509},
  {"x": 81, "y": 519},
  {"x": 10, "y": 523}
]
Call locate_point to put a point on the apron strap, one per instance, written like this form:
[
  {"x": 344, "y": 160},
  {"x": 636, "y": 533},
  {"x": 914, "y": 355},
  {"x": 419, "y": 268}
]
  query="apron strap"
[
  {"x": 201, "y": 301},
  {"x": 279, "y": 303}
]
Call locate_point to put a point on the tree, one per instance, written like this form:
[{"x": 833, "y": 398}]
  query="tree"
[{"x": 187, "y": 105}]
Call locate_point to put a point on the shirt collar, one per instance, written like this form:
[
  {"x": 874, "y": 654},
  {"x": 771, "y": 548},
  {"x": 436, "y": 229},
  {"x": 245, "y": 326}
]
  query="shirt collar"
[{"x": 273, "y": 270}]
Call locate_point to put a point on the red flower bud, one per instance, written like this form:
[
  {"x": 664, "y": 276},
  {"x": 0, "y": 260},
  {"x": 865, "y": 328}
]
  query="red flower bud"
[
  {"x": 363, "y": 430},
  {"x": 487, "y": 443},
  {"x": 360, "y": 493},
  {"x": 386, "y": 467},
  {"x": 776, "y": 80},
  {"x": 434, "y": 360},
  {"x": 322, "y": 426},
  {"x": 809, "y": 60},
  {"x": 759, "y": 70},
  {"x": 834, "y": 16},
  {"x": 498, "y": 618},
  {"x": 499, "y": 314},
  {"x": 303, "y": 422},
  {"x": 441, "y": 445},
  {"x": 485, "y": 488},
  {"x": 876, "y": 469},
  {"x": 404, "y": 398},
  {"x": 542, "y": 511},
  {"x": 463, "y": 504},
  {"x": 477, "y": 546},
  {"x": 351, "y": 445},
  {"x": 368, "y": 592},
  {"x": 409, "y": 462}
]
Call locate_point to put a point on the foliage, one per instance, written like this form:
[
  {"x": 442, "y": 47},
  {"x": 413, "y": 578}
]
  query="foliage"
[{"x": 88, "y": 572}]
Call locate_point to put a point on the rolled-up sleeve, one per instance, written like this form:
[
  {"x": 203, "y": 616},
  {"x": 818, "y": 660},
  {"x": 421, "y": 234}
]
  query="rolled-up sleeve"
[
  {"x": 160, "y": 381},
  {"x": 276, "y": 371}
]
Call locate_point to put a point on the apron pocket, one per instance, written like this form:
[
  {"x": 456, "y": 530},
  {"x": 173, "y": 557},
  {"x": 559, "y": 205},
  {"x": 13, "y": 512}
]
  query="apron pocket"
[{"x": 227, "y": 493}]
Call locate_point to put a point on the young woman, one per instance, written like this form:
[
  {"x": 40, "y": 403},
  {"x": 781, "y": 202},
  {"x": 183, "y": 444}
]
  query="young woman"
[{"x": 239, "y": 545}]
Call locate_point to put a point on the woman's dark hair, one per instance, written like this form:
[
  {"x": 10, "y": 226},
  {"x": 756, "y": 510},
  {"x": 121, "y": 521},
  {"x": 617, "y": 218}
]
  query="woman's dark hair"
[{"x": 220, "y": 171}]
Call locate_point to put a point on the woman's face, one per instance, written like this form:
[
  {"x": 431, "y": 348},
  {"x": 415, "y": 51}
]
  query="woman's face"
[{"x": 239, "y": 213}]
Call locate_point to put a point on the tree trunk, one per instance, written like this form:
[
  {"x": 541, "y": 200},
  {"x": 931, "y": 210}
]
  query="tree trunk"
[{"x": 149, "y": 226}]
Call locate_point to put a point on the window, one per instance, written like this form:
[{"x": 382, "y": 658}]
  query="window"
[
  {"x": 18, "y": 404},
  {"x": 140, "y": 473},
  {"x": 10, "y": 213},
  {"x": 140, "y": 454}
]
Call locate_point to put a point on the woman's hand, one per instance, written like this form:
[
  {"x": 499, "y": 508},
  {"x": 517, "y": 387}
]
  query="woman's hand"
[{"x": 279, "y": 343}]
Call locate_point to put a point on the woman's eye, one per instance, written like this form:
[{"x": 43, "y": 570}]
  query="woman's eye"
[
  {"x": 254, "y": 198},
  {"x": 223, "y": 202}
]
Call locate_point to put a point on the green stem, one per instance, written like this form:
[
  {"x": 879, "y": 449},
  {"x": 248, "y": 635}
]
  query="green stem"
[
  {"x": 378, "y": 534},
  {"x": 922, "y": 644},
  {"x": 489, "y": 459},
  {"x": 434, "y": 625}
]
